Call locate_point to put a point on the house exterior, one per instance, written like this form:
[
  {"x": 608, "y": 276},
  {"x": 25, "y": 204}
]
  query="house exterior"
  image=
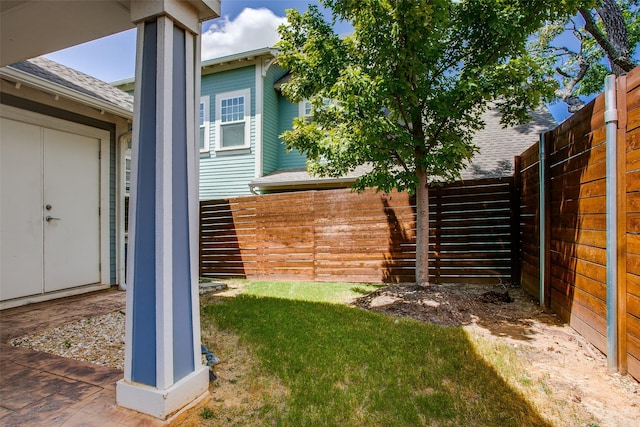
[
  {"x": 42, "y": 97},
  {"x": 61, "y": 214},
  {"x": 243, "y": 116},
  {"x": 243, "y": 112}
]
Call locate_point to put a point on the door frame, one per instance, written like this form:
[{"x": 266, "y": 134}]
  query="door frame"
[
  {"x": 104, "y": 138},
  {"x": 122, "y": 235}
]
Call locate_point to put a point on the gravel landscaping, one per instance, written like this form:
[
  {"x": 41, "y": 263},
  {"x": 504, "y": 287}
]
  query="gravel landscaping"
[{"x": 98, "y": 340}]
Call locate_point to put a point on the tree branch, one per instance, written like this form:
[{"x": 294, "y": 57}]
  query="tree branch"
[
  {"x": 573, "y": 102},
  {"x": 563, "y": 73},
  {"x": 615, "y": 56},
  {"x": 405, "y": 121},
  {"x": 395, "y": 154}
]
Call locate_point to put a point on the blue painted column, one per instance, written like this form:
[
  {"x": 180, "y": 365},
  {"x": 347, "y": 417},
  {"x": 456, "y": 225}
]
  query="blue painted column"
[{"x": 163, "y": 368}]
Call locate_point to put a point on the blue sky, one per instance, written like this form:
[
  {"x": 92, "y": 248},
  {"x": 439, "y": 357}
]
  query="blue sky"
[
  {"x": 113, "y": 58},
  {"x": 244, "y": 25}
]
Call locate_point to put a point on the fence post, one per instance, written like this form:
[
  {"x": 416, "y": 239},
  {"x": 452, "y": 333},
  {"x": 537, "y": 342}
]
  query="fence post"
[
  {"x": 621, "y": 221},
  {"x": 438, "y": 232},
  {"x": 515, "y": 221},
  {"x": 611, "y": 122},
  {"x": 544, "y": 214}
]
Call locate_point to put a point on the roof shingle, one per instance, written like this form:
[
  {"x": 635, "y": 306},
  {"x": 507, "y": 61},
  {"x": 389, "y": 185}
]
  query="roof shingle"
[
  {"x": 498, "y": 145},
  {"x": 69, "y": 78}
]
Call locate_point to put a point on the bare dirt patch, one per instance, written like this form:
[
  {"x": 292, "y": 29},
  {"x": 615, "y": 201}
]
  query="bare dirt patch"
[{"x": 564, "y": 376}]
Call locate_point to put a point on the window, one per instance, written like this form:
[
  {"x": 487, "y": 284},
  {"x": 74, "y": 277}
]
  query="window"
[
  {"x": 305, "y": 108},
  {"x": 127, "y": 167},
  {"x": 127, "y": 173},
  {"x": 204, "y": 124},
  {"x": 232, "y": 118},
  {"x": 127, "y": 184}
]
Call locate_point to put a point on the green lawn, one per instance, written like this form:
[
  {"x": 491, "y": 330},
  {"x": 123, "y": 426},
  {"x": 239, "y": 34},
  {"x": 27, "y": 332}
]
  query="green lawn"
[
  {"x": 334, "y": 292},
  {"x": 343, "y": 366}
]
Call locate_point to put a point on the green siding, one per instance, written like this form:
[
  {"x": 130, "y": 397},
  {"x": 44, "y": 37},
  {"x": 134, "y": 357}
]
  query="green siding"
[
  {"x": 227, "y": 174},
  {"x": 270, "y": 126},
  {"x": 292, "y": 159}
]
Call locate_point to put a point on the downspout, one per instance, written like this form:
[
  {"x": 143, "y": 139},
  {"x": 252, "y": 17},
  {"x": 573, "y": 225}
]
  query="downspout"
[
  {"x": 611, "y": 122},
  {"x": 259, "y": 121},
  {"x": 542, "y": 166}
]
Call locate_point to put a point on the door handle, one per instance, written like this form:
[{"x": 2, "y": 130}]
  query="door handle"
[{"x": 50, "y": 218}]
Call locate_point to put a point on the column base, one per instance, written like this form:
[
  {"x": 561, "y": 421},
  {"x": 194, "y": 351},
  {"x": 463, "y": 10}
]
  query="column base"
[{"x": 163, "y": 404}]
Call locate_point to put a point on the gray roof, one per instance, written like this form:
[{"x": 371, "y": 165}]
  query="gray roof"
[
  {"x": 300, "y": 179},
  {"x": 498, "y": 146},
  {"x": 284, "y": 79},
  {"x": 69, "y": 78}
]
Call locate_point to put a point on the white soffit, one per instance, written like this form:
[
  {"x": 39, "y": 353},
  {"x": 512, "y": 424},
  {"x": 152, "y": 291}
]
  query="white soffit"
[{"x": 32, "y": 28}]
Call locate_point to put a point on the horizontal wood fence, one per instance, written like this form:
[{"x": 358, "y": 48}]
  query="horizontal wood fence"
[
  {"x": 340, "y": 235},
  {"x": 574, "y": 226},
  {"x": 629, "y": 293}
]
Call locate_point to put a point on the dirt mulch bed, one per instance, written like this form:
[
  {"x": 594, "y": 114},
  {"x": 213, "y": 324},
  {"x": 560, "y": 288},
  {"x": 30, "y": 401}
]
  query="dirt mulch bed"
[{"x": 575, "y": 388}]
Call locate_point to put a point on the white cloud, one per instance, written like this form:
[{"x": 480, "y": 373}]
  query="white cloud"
[{"x": 252, "y": 29}]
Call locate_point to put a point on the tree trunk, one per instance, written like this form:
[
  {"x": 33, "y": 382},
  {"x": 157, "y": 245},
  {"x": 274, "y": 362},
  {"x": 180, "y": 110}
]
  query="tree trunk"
[
  {"x": 614, "y": 25},
  {"x": 422, "y": 229},
  {"x": 614, "y": 40}
]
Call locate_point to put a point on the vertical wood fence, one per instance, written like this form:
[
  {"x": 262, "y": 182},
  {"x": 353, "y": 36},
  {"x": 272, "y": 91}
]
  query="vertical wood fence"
[
  {"x": 574, "y": 226},
  {"x": 339, "y": 235}
]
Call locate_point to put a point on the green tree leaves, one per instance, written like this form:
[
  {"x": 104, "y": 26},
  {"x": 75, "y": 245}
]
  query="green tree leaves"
[{"x": 409, "y": 86}]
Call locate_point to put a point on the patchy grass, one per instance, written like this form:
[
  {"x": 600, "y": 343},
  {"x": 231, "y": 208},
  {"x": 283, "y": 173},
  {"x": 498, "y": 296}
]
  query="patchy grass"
[
  {"x": 504, "y": 359},
  {"x": 207, "y": 413},
  {"x": 244, "y": 394},
  {"x": 327, "y": 364}
]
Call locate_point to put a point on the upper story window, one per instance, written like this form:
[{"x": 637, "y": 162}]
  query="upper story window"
[
  {"x": 305, "y": 108},
  {"x": 232, "y": 118},
  {"x": 204, "y": 124}
]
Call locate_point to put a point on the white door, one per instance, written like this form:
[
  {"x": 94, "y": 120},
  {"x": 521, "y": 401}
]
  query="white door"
[
  {"x": 21, "y": 238},
  {"x": 49, "y": 210},
  {"x": 71, "y": 210}
]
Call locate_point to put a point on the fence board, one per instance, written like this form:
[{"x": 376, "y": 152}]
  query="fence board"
[
  {"x": 577, "y": 198},
  {"x": 631, "y": 311},
  {"x": 339, "y": 235},
  {"x": 529, "y": 224}
]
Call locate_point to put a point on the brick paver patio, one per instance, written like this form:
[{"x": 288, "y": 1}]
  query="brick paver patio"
[{"x": 40, "y": 389}]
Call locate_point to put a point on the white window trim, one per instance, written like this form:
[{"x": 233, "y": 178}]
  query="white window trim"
[
  {"x": 207, "y": 124},
  {"x": 246, "y": 93},
  {"x": 127, "y": 156},
  {"x": 302, "y": 108},
  {"x": 326, "y": 102}
]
